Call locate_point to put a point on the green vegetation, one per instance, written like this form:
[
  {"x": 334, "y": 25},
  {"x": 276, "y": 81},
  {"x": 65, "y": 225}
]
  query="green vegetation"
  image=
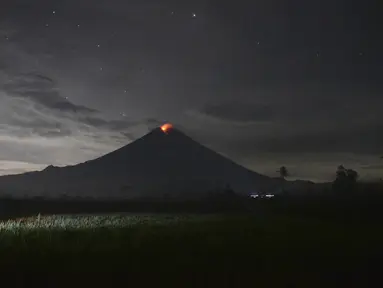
[
  {"x": 265, "y": 248},
  {"x": 70, "y": 222}
]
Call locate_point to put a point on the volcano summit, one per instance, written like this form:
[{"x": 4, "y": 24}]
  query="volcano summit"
[{"x": 163, "y": 162}]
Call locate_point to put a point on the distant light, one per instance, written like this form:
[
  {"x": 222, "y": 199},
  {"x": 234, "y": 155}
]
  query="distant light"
[
  {"x": 262, "y": 196},
  {"x": 166, "y": 127}
]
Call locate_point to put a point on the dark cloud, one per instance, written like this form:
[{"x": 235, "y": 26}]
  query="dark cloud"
[
  {"x": 242, "y": 112},
  {"x": 374, "y": 167},
  {"x": 368, "y": 139},
  {"x": 41, "y": 127},
  {"x": 120, "y": 125},
  {"x": 97, "y": 122},
  {"x": 52, "y": 133},
  {"x": 128, "y": 135},
  {"x": 89, "y": 78},
  {"x": 153, "y": 123},
  {"x": 42, "y": 90}
]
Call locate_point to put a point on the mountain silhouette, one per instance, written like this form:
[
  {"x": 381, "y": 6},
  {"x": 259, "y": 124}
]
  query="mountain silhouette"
[{"x": 163, "y": 162}]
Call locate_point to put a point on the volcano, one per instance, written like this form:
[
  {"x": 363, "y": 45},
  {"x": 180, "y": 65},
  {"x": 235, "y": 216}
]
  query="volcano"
[{"x": 164, "y": 162}]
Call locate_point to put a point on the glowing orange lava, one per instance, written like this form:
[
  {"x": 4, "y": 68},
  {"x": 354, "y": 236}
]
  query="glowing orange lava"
[{"x": 166, "y": 127}]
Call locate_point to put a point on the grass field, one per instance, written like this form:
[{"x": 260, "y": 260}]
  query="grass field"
[
  {"x": 264, "y": 250},
  {"x": 73, "y": 222}
]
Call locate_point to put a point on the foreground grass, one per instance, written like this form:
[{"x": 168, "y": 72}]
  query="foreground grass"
[
  {"x": 274, "y": 249},
  {"x": 67, "y": 222}
]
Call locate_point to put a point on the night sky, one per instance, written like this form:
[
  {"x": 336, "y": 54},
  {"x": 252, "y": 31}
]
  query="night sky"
[{"x": 266, "y": 83}]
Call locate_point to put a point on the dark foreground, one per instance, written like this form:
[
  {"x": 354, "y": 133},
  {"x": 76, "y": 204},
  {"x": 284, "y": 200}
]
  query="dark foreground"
[{"x": 309, "y": 244}]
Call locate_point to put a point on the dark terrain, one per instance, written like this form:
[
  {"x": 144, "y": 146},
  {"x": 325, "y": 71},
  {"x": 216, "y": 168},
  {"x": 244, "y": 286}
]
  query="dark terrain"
[{"x": 302, "y": 241}]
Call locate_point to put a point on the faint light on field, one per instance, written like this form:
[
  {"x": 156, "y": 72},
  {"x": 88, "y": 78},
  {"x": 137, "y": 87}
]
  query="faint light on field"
[{"x": 88, "y": 221}]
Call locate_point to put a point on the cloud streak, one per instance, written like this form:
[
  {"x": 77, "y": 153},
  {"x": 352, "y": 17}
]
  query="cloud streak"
[
  {"x": 240, "y": 112},
  {"x": 42, "y": 90},
  {"x": 39, "y": 127}
]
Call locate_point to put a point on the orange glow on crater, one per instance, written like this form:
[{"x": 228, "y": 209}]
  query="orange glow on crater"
[{"x": 166, "y": 127}]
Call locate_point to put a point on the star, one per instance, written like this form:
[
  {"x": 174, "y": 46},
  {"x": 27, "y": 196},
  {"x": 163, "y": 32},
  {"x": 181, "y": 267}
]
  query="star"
[
  {"x": 101, "y": 69},
  {"x": 47, "y": 25},
  {"x": 78, "y": 25},
  {"x": 125, "y": 91},
  {"x": 172, "y": 13},
  {"x": 194, "y": 15},
  {"x": 98, "y": 45},
  {"x": 54, "y": 12}
]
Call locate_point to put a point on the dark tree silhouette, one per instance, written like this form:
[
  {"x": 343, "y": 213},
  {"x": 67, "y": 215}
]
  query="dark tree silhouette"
[
  {"x": 345, "y": 181},
  {"x": 341, "y": 172},
  {"x": 352, "y": 175},
  {"x": 283, "y": 173}
]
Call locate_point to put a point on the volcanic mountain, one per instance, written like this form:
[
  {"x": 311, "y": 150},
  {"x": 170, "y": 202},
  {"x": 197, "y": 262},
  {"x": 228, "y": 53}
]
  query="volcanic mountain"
[{"x": 164, "y": 162}]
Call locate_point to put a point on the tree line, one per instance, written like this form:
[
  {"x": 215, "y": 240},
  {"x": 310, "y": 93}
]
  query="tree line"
[{"x": 345, "y": 179}]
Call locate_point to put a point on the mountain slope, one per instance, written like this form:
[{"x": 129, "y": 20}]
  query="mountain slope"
[{"x": 160, "y": 163}]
